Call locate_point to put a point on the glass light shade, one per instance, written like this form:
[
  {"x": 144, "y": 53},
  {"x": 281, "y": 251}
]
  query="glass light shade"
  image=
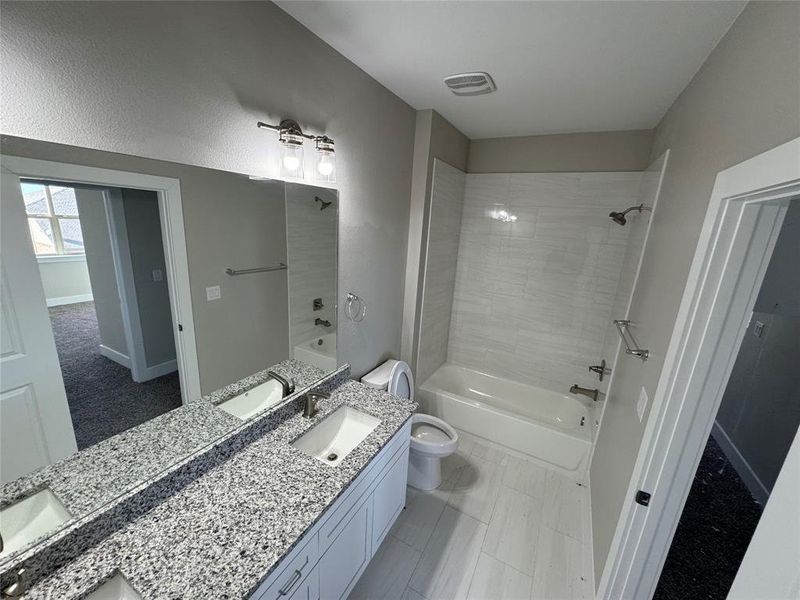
[
  {"x": 292, "y": 156},
  {"x": 326, "y": 166}
]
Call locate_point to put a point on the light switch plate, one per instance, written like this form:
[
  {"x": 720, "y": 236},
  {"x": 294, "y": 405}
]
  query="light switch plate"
[
  {"x": 213, "y": 293},
  {"x": 158, "y": 275},
  {"x": 641, "y": 404}
]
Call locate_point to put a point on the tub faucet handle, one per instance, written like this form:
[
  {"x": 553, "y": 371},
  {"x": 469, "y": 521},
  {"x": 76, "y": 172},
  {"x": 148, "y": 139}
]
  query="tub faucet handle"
[{"x": 601, "y": 369}]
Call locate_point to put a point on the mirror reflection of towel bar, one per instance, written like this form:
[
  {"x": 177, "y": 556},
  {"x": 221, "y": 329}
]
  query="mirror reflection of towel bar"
[
  {"x": 278, "y": 267},
  {"x": 631, "y": 347}
]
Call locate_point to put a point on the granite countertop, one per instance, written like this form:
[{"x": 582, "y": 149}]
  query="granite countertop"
[
  {"x": 221, "y": 535},
  {"x": 96, "y": 475}
]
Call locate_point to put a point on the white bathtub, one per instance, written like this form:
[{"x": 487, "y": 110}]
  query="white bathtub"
[
  {"x": 320, "y": 352},
  {"x": 552, "y": 427}
]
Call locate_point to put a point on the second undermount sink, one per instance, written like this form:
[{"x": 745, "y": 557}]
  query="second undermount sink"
[
  {"x": 255, "y": 400},
  {"x": 30, "y": 518},
  {"x": 337, "y": 435},
  {"x": 115, "y": 588}
]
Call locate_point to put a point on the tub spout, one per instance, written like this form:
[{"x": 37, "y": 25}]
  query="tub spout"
[{"x": 593, "y": 394}]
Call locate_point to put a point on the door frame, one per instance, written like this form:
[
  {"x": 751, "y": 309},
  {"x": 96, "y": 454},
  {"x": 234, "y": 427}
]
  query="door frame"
[
  {"x": 744, "y": 217},
  {"x": 170, "y": 208}
]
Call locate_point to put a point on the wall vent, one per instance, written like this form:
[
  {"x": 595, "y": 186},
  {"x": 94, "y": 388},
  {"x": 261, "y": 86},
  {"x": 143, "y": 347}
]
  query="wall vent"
[{"x": 470, "y": 84}]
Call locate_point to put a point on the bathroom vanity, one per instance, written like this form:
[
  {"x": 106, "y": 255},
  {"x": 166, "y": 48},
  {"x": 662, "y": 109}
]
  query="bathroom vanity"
[{"x": 272, "y": 520}]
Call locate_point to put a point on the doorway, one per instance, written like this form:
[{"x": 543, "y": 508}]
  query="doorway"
[
  {"x": 752, "y": 432},
  {"x": 101, "y": 260},
  {"x": 746, "y": 212}
]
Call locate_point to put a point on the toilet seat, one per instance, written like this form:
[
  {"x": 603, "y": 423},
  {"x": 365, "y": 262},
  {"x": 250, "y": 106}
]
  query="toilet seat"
[
  {"x": 432, "y": 436},
  {"x": 401, "y": 381}
]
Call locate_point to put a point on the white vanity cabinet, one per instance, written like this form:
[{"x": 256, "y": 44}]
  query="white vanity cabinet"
[{"x": 330, "y": 558}]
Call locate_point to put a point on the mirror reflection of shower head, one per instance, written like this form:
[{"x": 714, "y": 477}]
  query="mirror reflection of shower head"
[
  {"x": 322, "y": 202},
  {"x": 619, "y": 217}
]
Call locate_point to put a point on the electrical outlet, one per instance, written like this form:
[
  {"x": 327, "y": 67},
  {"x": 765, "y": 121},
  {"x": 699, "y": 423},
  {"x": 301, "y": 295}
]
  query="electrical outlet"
[
  {"x": 158, "y": 275},
  {"x": 641, "y": 404},
  {"x": 213, "y": 293},
  {"x": 758, "y": 329}
]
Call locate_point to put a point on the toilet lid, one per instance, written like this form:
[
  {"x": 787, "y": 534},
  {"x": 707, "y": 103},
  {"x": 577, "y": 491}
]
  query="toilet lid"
[
  {"x": 429, "y": 433},
  {"x": 401, "y": 382}
]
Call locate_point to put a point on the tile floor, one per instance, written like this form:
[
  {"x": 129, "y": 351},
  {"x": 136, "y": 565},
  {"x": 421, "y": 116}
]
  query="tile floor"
[{"x": 499, "y": 527}]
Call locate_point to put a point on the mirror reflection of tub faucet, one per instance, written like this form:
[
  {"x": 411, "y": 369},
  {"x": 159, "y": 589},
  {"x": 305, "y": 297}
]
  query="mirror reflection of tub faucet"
[
  {"x": 288, "y": 386},
  {"x": 323, "y": 322},
  {"x": 593, "y": 394}
]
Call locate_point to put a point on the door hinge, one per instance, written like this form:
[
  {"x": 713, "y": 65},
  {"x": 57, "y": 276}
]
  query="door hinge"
[
  {"x": 642, "y": 498},
  {"x": 180, "y": 327}
]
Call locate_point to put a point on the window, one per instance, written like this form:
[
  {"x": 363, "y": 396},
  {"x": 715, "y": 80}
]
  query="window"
[{"x": 53, "y": 219}]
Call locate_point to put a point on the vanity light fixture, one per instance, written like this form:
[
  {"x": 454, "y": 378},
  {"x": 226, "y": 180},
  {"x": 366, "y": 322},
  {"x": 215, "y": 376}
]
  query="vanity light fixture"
[{"x": 291, "y": 138}]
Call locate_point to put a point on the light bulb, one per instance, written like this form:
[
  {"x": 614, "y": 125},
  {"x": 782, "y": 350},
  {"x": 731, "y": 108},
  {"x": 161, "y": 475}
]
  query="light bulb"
[
  {"x": 325, "y": 167},
  {"x": 291, "y": 163}
]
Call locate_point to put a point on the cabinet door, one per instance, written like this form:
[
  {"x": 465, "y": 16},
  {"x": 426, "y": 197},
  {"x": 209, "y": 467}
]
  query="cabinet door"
[
  {"x": 348, "y": 556},
  {"x": 389, "y": 499}
]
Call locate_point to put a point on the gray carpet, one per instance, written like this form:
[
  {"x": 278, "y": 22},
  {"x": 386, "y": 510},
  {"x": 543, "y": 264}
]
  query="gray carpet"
[
  {"x": 103, "y": 399},
  {"x": 715, "y": 528}
]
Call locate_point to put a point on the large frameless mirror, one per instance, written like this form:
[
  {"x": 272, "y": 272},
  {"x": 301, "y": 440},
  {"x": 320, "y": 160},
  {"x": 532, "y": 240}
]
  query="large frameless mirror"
[{"x": 133, "y": 291}]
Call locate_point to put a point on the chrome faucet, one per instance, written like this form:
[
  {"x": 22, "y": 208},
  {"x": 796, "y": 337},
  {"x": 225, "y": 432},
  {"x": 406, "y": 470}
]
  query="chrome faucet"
[
  {"x": 310, "y": 408},
  {"x": 287, "y": 385},
  {"x": 323, "y": 322},
  {"x": 576, "y": 389},
  {"x": 16, "y": 589}
]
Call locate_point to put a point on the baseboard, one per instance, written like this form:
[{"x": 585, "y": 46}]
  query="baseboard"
[
  {"x": 61, "y": 300},
  {"x": 117, "y": 357},
  {"x": 738, "y": 462},
  {"x": 148, "y": 373}
]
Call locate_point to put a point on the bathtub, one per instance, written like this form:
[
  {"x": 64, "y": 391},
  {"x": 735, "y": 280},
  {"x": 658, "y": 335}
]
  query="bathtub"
[
  {"x": 552, "y": 427},
  {"x": 319, "y": 351}
]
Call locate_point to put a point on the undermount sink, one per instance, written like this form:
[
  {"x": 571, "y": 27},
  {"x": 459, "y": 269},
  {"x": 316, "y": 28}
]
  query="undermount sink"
[
  {"x": 255, "y": 400},
  {"x": 337, "y": 435},
  {"x": 30, "y": 518},
  {"x": 115, "y": 588}
]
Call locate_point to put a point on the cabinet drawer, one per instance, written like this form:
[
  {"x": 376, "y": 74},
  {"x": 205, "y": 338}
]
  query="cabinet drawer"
[
  {"x": 309, "y": 588},
  {"x": 288, "y": 580}
]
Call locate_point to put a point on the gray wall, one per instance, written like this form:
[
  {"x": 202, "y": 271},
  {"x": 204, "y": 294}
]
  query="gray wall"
[
  {"x": 97, "y": 241},
  {"x": 760, "y": 410},
  {"x": 146, "y": 248},
  {"x": 562, "y": 153},
  {"x": 186, "y": 82},
  {"x": 744, "y": 100},
  {"x": 434, "y": 138}
]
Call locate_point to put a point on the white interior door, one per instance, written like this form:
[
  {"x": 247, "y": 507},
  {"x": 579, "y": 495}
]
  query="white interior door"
[{"x": 35, "y": 424}]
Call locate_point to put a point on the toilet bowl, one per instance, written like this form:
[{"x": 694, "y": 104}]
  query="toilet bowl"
[{"x": 431, "y": 438}]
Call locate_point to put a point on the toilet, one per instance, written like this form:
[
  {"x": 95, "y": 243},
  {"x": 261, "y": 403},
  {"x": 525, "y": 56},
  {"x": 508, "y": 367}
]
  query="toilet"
[{"x": 431, "y": 438}]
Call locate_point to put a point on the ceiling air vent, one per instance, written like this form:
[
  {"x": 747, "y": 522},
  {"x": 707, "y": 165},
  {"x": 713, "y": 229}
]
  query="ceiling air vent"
[{"x": 470, "y": 84}]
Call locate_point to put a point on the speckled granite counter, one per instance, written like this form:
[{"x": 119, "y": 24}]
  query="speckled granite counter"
[
  {"x": 100, "y": 473},
  {"x": 224, "y": 532}
]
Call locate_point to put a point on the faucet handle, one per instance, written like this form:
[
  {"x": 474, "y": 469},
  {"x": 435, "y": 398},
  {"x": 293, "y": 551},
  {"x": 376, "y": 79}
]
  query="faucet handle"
[{"x": 19, "y": 587}]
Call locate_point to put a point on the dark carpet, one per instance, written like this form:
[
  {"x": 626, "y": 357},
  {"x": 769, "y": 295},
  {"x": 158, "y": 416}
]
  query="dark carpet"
[
  {"x": 714, "y": 531},
  {"x": 103, "y": 399}
]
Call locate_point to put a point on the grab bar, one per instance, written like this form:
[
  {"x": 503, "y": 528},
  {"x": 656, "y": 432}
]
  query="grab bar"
[
  {"x": 232, "y": 272},
  {"x": 631, "y": 347}
]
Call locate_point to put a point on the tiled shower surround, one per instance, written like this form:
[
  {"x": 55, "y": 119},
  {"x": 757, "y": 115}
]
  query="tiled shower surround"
[
  {"x": 532, "y": 296},
  {"x": 311, "y": 254}
]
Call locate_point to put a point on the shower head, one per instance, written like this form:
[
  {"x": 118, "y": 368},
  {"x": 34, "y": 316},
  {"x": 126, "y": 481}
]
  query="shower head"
[
  {"x": 619, "y": 217},
  {"x": 322, "y": 202}
]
